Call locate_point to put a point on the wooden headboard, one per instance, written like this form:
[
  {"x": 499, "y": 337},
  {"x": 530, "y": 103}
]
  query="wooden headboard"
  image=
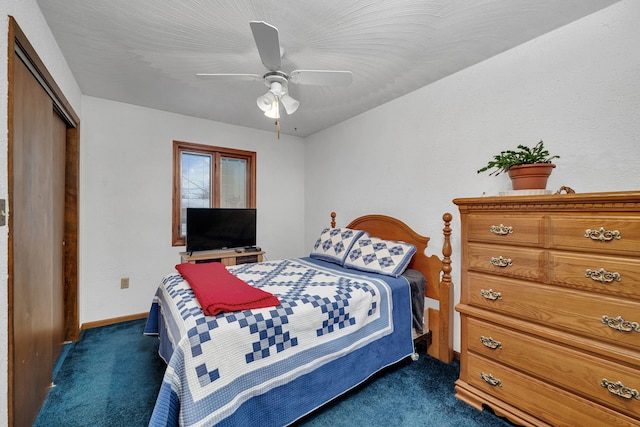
[{"x": 436, "y": 270}]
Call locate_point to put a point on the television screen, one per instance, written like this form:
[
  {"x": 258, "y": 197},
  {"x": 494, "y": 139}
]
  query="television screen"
[{"x": 220, "y": 228}]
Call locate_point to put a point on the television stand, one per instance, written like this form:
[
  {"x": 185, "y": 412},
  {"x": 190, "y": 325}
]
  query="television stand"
[{"x": 227, "y": 257}]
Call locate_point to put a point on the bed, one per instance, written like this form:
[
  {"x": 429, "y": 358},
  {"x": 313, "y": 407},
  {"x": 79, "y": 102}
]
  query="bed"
[{"x": 335, "y": 323}]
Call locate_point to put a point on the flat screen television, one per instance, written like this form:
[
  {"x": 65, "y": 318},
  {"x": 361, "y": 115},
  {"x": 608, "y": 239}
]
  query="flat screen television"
[{"x": 220, "y": 228}]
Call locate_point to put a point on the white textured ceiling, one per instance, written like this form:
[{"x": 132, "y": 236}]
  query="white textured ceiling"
[{"x": 147, "y": 52}]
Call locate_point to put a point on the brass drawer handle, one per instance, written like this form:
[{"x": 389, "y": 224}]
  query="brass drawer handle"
[
  {"x": 602, "y": 275},
  {"x": 490, "y": 379},
  {"x": 620, "y": 324},
  {"x": 490, "y": 294},
  {"x": 602, "y": 234},
  {"x": 501, "y": 230},
  {"x": 619, "y": 389},
  {"x": 490, "y": 343},
  {"x": 501, "y": 262}
]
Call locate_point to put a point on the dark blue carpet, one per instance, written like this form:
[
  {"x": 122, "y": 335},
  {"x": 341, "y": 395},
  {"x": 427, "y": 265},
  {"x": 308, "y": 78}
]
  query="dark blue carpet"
[{"x": 112, "y": 375}]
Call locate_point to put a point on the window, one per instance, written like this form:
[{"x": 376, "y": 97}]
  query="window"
[{"x": 209, "y": 177}]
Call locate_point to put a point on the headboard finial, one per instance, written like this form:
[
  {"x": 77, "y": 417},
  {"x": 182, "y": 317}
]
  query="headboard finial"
[{"x": 333, "y": 220}]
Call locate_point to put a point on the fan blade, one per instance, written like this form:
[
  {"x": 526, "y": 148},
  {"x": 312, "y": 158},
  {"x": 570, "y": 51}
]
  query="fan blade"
[
  {"x": 230, "y": 77},
  {"x": 320, "y": 77},
  {"x": 268, "y": 43}
]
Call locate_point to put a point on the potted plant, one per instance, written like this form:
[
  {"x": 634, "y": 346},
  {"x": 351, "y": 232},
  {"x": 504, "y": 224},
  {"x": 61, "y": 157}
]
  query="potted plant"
[{"x": 528, "y": 168}]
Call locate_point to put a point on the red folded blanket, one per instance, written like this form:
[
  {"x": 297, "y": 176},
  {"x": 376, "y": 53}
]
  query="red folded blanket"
[{"x": 217, "y": 290}]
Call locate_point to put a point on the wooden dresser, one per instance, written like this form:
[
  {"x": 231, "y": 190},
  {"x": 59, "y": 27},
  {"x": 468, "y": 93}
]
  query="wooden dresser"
[{"x": 550, "y": 308}]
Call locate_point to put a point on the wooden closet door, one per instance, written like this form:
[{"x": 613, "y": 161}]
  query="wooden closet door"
[{"x": 37, "y": 227}]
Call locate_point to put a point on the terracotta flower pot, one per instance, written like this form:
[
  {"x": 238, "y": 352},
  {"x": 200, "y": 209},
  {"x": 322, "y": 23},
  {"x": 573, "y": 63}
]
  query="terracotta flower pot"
[{"x": 528, "y": 177}]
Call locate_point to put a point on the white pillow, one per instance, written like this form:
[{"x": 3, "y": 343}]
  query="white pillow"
[
  {"x": 380, "y": 256},
  {"x": 334, "y": 244}
]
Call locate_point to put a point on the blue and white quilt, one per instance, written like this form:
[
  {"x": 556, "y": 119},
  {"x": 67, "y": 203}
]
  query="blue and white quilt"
[{"x": 334, "y": 328}]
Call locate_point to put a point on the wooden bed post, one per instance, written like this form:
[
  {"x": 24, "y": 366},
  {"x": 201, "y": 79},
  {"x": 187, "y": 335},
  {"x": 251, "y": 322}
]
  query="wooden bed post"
[
  {"x": 445, "y": 346},
  {"x": 333, "y": 220}
]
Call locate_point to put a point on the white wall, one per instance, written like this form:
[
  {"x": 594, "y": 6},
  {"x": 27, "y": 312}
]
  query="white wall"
[
  {"x": 577, "y": 88},
  {"x": 126, "y": 191},
  {"x": 32, "y": 23}
]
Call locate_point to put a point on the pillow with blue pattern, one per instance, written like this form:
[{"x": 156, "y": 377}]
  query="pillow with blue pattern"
[
  {"x": 380, "y": 256},
  {"x": 334, "y": 244}
]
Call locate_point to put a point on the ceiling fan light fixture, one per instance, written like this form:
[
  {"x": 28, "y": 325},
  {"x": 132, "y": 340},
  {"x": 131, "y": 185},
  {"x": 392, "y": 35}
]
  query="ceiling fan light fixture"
[
  {"x": 277, "y": 88},
  {"x": 274, "y": 111},
  {"x": 266, "y": 101},
  {"x": 290, "y": 104}
]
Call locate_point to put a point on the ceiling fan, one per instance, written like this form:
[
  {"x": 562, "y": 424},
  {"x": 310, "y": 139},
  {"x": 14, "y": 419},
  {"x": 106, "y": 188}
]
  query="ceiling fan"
[{"x": 268, "y": 43}]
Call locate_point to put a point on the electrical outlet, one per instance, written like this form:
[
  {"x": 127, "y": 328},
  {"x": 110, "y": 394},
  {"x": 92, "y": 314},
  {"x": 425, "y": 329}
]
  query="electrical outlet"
[
  {"x": 3, "y": 212},
  {"x": 124, "y": 283}
]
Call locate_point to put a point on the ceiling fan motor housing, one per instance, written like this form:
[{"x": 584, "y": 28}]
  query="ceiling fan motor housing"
[{"x": 278, "y": 77}]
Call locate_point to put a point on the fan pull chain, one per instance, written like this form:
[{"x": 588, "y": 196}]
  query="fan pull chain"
[{"x": 277, "y": 103}]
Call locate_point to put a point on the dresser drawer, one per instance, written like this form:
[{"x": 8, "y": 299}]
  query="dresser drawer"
[
  {"x": 550, "y": 404},
  {"x": 604, "y": 274},
  {"x": 605, "y": 234},
  {"x": 557, "y": 364},
  {"x": 506, "y": 260},
  {"x": 507, "y": 229},
  {"x": 596, "y": 316}
]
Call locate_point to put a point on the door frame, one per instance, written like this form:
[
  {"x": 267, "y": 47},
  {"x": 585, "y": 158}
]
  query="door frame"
[{"x": 21, "y": 49}]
